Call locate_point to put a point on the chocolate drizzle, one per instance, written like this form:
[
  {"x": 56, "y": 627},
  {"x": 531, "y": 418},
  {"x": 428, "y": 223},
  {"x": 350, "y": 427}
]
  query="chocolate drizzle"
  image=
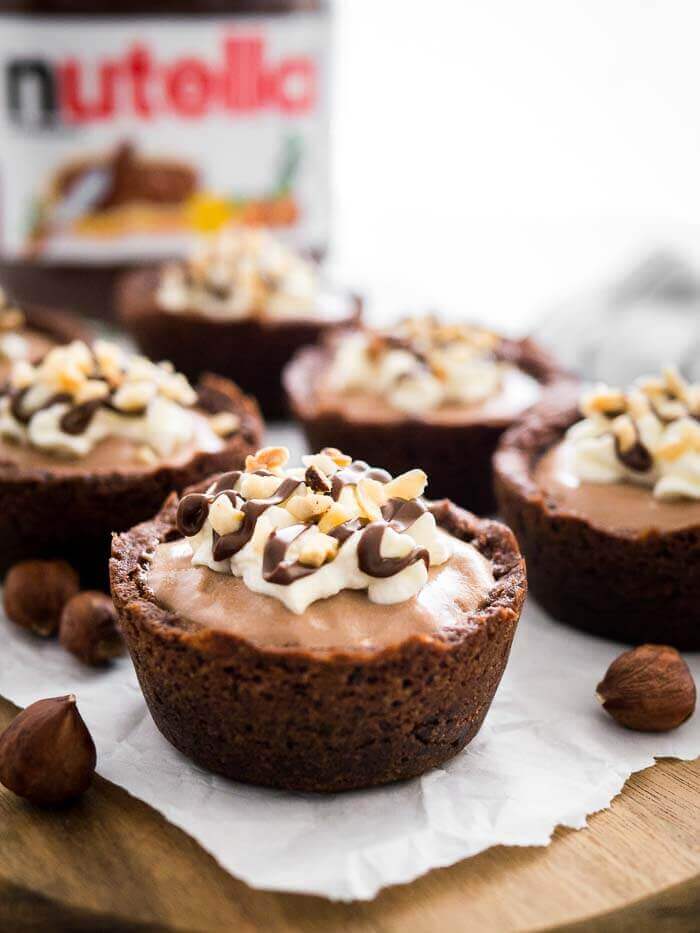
[
  {"x": 369, "y": 554},
  {"x": 77, "y": 419},
  {"x": 276, "y": 568},
  {"x": 398, "y": 514},
  {"x": 351, "y": 476},
  {"x": 192, "y": 513},
  {"x": 18, "y": 411},
  {"x": 636, "y": 457},
  {"x": 231, "y": 544}
]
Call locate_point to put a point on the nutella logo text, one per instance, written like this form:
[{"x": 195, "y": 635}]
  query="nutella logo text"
[{"x": 241, "y": 79}]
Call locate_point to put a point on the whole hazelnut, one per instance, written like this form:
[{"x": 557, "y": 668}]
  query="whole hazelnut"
[
  {"x": 36, "y": 591},
  {"x": 89, "y": 628},
  {"x": 649, "y": 689},
  {"x": 47, "y": 754}
]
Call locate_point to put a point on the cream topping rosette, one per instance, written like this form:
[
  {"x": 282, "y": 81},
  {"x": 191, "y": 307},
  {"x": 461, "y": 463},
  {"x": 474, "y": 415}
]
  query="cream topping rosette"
[
  {"x": 648, "y": 435},
  {"x": 240, "y": 273},
  {"x": 78, "y": 396},
  {"x": 420, "y": 365},
  {"x": 306, "y": 533}
]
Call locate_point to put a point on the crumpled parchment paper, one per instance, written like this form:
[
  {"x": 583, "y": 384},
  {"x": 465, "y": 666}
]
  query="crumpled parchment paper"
[{"x": 547, "y": 755}]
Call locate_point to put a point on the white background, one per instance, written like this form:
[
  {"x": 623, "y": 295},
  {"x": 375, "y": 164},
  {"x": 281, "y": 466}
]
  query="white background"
[{"x": 495, "y": 156}]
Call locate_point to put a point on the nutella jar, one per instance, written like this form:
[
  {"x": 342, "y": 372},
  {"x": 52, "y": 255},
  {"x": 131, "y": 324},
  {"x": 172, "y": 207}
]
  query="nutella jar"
[{"x": 125, "y": 135}]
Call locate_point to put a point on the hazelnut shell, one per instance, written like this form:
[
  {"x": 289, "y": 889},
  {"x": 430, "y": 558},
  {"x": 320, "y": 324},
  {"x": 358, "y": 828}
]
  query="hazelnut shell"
[
  {"x": 89, "y": 628},
  {"x": 649, "y": 689},
  {"x": 47, "y": 754},
  {"x": 36, "y": 591}
]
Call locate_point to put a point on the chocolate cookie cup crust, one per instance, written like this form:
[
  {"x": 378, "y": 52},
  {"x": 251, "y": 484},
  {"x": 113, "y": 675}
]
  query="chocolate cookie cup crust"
[
  {"x": 456, "y": 457},
  {"x": 327, "y": 721},
  {"x": 50, "y": 514},
  {"x": 631, "y": 587},
  {"x": 251, "y": 351}
]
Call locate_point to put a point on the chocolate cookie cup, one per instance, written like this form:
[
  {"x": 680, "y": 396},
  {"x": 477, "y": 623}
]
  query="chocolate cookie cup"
[
  {"x": 455, "y": 450},
  {"x": 251, "y": 345},
  {"x": 632, "y": 579},
  {"x": 330, "y": 699},
  {"x": 57, "y": 508}
]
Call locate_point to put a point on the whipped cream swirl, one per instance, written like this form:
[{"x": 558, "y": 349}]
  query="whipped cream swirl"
[
  {"x": 305, "y": 534},
  {"x": 649, "y": 435},
  {"x": 77, "y": 396},
  {"x": 13, "y": 345},
  {"x": 420, "y": 365},
  {"x": 240, "y": 273}
]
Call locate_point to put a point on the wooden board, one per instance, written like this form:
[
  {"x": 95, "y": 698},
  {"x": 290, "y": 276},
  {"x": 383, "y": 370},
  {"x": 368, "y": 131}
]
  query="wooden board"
[{"x": 112, "y": 863}]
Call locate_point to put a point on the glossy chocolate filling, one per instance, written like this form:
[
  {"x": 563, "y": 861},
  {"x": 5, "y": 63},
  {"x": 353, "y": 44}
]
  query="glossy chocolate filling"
[
  {"x": 518, "y": 392},
  {"x": 113, "y": 454},
  {"x": 347, "y": 621},
  {"x": 613, "y": 507}
]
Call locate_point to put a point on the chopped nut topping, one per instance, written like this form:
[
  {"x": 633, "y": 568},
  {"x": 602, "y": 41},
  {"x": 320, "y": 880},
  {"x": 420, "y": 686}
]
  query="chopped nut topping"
[
  {"x": 258, "y": 487},
  {"x": 371, "y": 495},
  {"x": 317, "y": 480},
  {"x": 336, "y": 515},
  {"x": 409, "y": 485},
  {"x": 134, "y": 396},
  {"x": 224, "y": 423},
  {"x": 23, "y": 375},
  {"x": 309, "y": 506},
  {"x": 224, "y": 518},
  {"x": 177, "y": 388},
  {"x": 338, "y": 457},
  {"x": 675, "y": 383},
  {"x": 318, "y": 551},
  {"x": 604, "y": 401},
  {"x": 91, "y": 390},
  {"x": 272, "y": 459},
  {"x": 624, "y": 430},
  {"x": 688, "y": 441}
]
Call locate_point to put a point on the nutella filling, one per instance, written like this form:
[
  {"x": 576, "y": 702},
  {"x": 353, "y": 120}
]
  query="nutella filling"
[
  {"x": 613, "y": 507},
  {"x": 347, "y": 621}
]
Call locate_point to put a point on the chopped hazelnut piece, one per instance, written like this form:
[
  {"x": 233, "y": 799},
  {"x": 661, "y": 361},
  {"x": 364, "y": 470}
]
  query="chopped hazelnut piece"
[
  {"x": 308, "y": 507},
  {"x": 370, "y": 496},
  {"x": 624, "y": 431},
  {"x": 319, "y": 550},
  {"x": 269, "y": 458},
  {"x": 224, "y": 518},
  {"x": 336, "y": 515},
  {"x": 258, "y": 487},
  {"x": 338, "y": 457},
  {"x": 134, "y": 396},
  {"x": 224, "y": 423},
  {"x": 409, "y": 485}
]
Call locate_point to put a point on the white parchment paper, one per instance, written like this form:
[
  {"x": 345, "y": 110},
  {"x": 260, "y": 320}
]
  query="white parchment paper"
[{"x": 546, "y": 755}]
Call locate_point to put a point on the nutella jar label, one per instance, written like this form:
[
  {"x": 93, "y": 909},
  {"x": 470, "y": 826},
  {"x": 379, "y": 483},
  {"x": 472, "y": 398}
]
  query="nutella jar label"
[{"x": 123, "y": 139}]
